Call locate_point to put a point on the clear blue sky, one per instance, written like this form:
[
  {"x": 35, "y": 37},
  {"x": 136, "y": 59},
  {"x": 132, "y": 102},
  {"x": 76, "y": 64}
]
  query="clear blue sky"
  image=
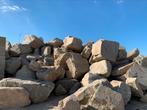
[{"x": 121, "y": 20}]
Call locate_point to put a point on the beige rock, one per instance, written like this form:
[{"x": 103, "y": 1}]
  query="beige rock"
[
  {"x": 122, "y": 54},
  {"x": 121, "y": 70},
  {"x": 25, "y": 73},
  {"x": 34, "y": 65},
  {"x": 57, "y": 52},
  {"x": 134, "y": 53},
  {"x": 33, "y": 41},
  {"x": 104, "y": 49},
  {"x": 135, "y": 87},
  {"x": 12, "y": 65},
  {"x": 123, "y": 89},
  {"x": 77, "y": 65},
  {"x": 56, "y": 42},
  {"x": 72, "y": 43},
  {"x": 46, "y": 51},
  {"x": 102, "y": 68},
  {"x": 39, "y": 91},
  {"x": 50, "y": 73},
  {"x": 106, "y": 99},
  {"x": 141, "y": 60},
  {"x": 86, "y": 51},
  {"x": 19, "y": 49},
  {"x": 13, "y": 97},
  {"x": 139, "y": 72},
  {"x": 89, "y": 78}
]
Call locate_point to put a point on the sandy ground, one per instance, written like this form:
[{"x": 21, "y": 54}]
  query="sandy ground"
[{"x": 52, "y": 102}]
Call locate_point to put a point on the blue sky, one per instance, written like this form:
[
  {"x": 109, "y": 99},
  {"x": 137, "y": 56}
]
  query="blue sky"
[{"x": 120, "y": 20}]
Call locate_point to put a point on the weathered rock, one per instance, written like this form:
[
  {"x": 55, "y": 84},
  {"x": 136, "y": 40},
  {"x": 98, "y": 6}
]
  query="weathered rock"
[
  {"x": 134, "y": 53},
  {"x": 19, "y": 49},
  {"x": 135, "y": 87},
  {"x": 25, "y": 73},
  {"x": 60, "y": 90},
  {"x": 39, "y": 91},
  {"x": 46, "y": 51},
  {"x": 72, "y": 43},
  {"x": 34, "y": 57},
  {"x": 13, "y": 97},
  {"x": 7, "y": 49},
  {"x": 34, "y": 65},
  {"x": 139, "y": 72},
  {"x": 33, "y": 41},
  {"x": 75, "y": 87},
  {"x": 144, "y": 98},
  {"x": 67, "y": 84},
  {"x": 87, "y": 51},
  {"x": 57, "y": 52},
  {"x": 49, "y": 61},
  {"x": 77, "y": 66},
  {"x": 104, "y": 49},
  {"x": 141, "y": 60},
  {"x": 89, "y": 78},
  {"x": 106, "y": 99},
  {"x": 69, "y": 103},
  {"x": 123, "y": 89},
  {"x": 121, "y": 70},
  {"x": 56, "y": 42},
  {"x": 50, "y": 73},
  {"x": 2, "y": 56},
  {"x": 12, "y": 65},
  {"x": 102, "y": 68},
  {"x": 24, "y": 60},
  {"x": 122, "y": 54}
]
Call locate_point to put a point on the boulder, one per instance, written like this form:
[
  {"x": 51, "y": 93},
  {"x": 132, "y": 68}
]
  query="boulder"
[
  {"x": 77, "y": 66},
  {"x": 104, "y": 49},
  {"x": 122, "y": 53},
  {"x": 132, "y": 54},
  {"x": 123, "y": 89},
  {"x": 135, "y": 87},
  {"x": 106, "y": 99},
  {"x": 89, "y": 78},
  {"x": 50, "y": 73},
  {"x": 72, "y": 43},
  {"x": 86, "y": 52},
  {"x": 13, "y": 97},
  {"x": 19, "y": 49},
  {"x": 60, "y": 90},
  {"x": 12, "y": 65},
  {"x": 57, "y": 52},
  {"x": 34, "y": 57},
  {"x": 56, "y": 42},
  {"x": 102, "y": 68},
  {"x": 48, "y": 61},
  {"x": 75, "y": 87},
  {"x": 141, "y": 60},
  {"x": 144, "y": 98},
  {"x": 39, "y": 91},
  {"x": 33, "y": 41},
  {"x": 34, "y": 65},
  {"x": 121, "y": 69},
  {"x": 25, "y": 73},
  {"x": 139, "y": 72},
  {"x": 7, "y": 49},
  {"x": 46, "y": 51}
]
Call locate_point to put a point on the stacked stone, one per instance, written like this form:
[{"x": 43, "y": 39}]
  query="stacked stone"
[{"x": 96, "y": 76}]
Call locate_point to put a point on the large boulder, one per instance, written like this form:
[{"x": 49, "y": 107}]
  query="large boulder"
[
  {"x": 132, "y": 54},
  {"x": 123, "y": 89},
  {"x": 19, "y": 49},
  {"x": 121, "y": 69},
  {"x": 139, "y": 72},
  {"x": 56, "y": 42},
  {"x": 104, "y": 49},
  {"x": 50, "y": 73},
  {"x": 77, "y": 66},
  {"x": 89, "y": 78},
  {"x": 86, "y": 52},
  {"x": 46, "y": 51},
  {"x": 135, "y": 87},
  {"x": 25, "y": 73},
  {"x": 33, "y": 41},
  {"x": 38, "y": 91},
  {"x": 13, "y": 97},
  {"x": 122, "y": 53},
  {"x": 12, "y": 65},
  {"x": 106, "y": 99},
  {"x": 102, "y": 68},
  {"x": 34, "y": 65},
  {"x": 72, "y": 43},
  {"x": 141, "y": 60}
]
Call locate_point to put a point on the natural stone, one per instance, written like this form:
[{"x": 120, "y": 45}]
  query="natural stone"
[{"x": 132, "y": 54}]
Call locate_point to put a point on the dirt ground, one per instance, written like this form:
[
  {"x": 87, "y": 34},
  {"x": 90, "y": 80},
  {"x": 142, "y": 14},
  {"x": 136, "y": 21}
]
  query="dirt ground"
[{"x": 52, "y": 102}]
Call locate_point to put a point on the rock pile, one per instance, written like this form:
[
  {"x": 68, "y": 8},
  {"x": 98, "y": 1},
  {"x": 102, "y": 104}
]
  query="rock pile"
[{"x": 95, "y": 76}]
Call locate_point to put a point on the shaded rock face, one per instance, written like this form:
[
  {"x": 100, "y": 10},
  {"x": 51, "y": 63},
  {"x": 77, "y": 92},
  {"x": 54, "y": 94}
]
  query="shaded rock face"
[{"x": 97, "y": 75}]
